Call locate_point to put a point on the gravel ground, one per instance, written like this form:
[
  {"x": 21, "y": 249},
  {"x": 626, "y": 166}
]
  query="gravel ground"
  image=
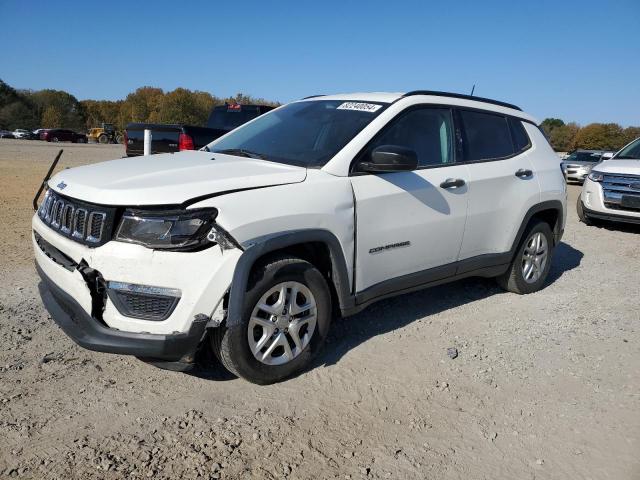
[{"x": 544, "y": 385}]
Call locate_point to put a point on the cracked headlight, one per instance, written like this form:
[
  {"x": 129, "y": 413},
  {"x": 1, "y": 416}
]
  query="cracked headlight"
[{"x": 168, "y": 230}]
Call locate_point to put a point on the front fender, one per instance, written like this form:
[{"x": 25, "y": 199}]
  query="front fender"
[{"x": 265, "y": 245}]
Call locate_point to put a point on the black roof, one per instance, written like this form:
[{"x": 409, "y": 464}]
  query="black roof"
[{"x": 462, "y": 96}]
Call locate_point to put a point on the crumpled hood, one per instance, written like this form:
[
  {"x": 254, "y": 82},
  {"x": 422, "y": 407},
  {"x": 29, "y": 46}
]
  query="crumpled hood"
[
  {"x": 167, "y": 179},
  {"x": 621, "y": 167}
]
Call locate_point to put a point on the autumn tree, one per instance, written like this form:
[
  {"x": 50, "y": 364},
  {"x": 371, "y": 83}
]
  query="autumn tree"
[
  {"x": 51, "y": 117},
  {"x": 562, "y": 138},
  {"x": 605, "y": 136},
  {"x": 630, "y": 133}
]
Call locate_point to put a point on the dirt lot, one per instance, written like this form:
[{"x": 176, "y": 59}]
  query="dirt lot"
[{"x": 545, "y": 386}]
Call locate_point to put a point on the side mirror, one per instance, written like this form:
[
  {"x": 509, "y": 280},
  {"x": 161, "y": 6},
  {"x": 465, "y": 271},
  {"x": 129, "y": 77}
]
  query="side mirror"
[
  {"x": 390, "y": 158},
  {"x": 606, "y": 156}
]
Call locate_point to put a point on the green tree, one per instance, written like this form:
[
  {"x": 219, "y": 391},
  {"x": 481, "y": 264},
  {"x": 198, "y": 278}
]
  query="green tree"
[
  {"x": 549, "y": 124},
  {"x": 68, "y": 111},
  {"x": 16, "y": 111}
]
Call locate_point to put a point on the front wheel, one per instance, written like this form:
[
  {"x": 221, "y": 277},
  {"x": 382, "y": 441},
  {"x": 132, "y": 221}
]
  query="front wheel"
[
  {"x": 531, "y": 264},
  {"x": 584, "y": 218},
  {"x": 286, "y": 318}
]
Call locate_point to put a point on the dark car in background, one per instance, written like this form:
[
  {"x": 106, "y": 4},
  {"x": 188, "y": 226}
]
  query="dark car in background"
[
  {"x": 6, "y": 134},
  {"x": 62, "y": 135},
  {"x": 177, "y": 137}
]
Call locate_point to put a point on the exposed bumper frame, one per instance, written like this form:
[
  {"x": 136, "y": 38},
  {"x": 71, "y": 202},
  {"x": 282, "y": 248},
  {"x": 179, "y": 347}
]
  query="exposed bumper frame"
[{"x": 91, "y": 334}]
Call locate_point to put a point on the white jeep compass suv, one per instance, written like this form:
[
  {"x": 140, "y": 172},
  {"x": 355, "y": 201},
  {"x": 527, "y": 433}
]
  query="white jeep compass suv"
[
  {"x": 252, "y": 245},
  {"x": 612, "y": 188}
]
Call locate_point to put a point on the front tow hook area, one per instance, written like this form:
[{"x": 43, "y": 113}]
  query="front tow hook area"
[{"x": 97, "y": 289}]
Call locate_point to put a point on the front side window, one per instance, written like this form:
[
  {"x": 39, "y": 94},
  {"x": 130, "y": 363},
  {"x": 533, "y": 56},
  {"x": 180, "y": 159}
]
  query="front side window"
[
  {"x": 487, "y": 136},
  {"x": 427, "y": 131},
  {"x": 306, "y": 134}
]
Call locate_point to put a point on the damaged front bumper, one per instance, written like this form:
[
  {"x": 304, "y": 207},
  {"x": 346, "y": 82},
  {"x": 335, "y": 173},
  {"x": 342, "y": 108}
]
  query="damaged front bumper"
[
  {"x": 90, "y": 333},
  {"x": 81, "y": 288}
]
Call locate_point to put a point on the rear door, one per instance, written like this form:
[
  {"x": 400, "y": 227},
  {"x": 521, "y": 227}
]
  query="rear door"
[
  {"x": 410, "y": 222},
  {"x": 502, "y": 181}
]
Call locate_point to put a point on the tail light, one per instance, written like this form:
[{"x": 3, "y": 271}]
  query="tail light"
[{"x": 185, "y": 142}]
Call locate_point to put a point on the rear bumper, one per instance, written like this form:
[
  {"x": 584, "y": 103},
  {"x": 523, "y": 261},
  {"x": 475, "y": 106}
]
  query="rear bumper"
[{"x": 91, "y": 334}]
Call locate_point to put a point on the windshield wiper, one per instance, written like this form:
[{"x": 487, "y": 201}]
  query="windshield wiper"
[{"x": 241, "y": 152}]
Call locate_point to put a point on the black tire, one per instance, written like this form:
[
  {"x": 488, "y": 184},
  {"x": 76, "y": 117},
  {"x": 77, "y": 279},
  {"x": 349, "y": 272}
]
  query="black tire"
[
  {"x": 513, "y": 279},
  {"x": 230, "y": 344},
  {"x": 55, "y": 139},
  {"x": 583, "y": 217},
  {"x": 103, "y": 139}
]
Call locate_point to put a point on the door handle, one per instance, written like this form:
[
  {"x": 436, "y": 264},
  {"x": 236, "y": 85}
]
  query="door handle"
[
  {"x": 524, "y": 173},
  {"x": 452, "y": 183}
]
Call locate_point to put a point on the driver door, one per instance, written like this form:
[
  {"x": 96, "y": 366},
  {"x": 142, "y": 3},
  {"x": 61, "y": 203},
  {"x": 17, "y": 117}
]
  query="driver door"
[{"x": 410, "y": 224}]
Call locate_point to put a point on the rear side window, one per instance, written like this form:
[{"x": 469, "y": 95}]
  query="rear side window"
[
  {"x": 487, "y": 136},
  {"x": 520, "y": 138}
]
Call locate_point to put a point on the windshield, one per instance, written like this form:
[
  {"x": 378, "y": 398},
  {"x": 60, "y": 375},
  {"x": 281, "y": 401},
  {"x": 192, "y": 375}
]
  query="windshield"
[
  {"x": 584, "y": 157},
  {"x": 630, "y": 152},
  {"x": 306, "y": 134}
]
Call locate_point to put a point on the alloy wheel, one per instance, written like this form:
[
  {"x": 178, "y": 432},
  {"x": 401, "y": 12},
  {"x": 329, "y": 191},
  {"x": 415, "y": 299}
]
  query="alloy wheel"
[
  {"x": 282, "y": 323},
  {"x": 534, "y": 257}
]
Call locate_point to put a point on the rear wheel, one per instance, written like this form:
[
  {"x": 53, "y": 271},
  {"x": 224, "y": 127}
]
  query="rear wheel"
[
  {"x": 531, "y": 264},
  {"x": 55, "y": 139},
  {"x": 285, "y": 321},
  {"x": 103, "y": 139},
  {"x": 584, "y": 218}
]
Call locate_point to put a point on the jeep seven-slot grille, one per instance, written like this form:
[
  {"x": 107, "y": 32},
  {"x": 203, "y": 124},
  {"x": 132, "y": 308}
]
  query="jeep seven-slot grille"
[
  {"x": 615, "y": 187},
  {"x": 83, "y": 222}
]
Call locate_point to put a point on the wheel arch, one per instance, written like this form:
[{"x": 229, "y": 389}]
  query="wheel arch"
[
  {"x": 317, "y": 246},
  {"x": 551, "y": 212}
]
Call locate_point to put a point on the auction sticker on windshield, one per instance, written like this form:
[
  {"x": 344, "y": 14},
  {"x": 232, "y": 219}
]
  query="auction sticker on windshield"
[{"x": 361, "y": 107}]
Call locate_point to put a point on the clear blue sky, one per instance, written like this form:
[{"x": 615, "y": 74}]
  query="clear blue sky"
[{"x": 577, "y": 60}]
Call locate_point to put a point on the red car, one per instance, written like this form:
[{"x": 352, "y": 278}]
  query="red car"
[{"x": 62, "y": 135}]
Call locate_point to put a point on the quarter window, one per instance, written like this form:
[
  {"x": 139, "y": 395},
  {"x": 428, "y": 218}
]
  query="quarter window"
[
  {"x": 487, "y": 136},
  {"x": 520, "y": 137},
  {"x": 427, "y": 131}
]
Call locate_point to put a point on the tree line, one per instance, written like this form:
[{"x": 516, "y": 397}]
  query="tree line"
[
  {"x": 566, "y": 137},
  {"x": 58, "y": 109}
]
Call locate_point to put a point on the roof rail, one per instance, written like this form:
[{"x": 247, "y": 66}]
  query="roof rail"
[
  {"x": 314, "y": 96},
  {"x": 462, "y": 96}
]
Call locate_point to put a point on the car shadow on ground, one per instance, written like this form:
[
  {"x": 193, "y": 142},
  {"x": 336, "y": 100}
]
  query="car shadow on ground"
[
  {"x": 394, "y": 313},
  {"x": 618, "y": 226}
]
